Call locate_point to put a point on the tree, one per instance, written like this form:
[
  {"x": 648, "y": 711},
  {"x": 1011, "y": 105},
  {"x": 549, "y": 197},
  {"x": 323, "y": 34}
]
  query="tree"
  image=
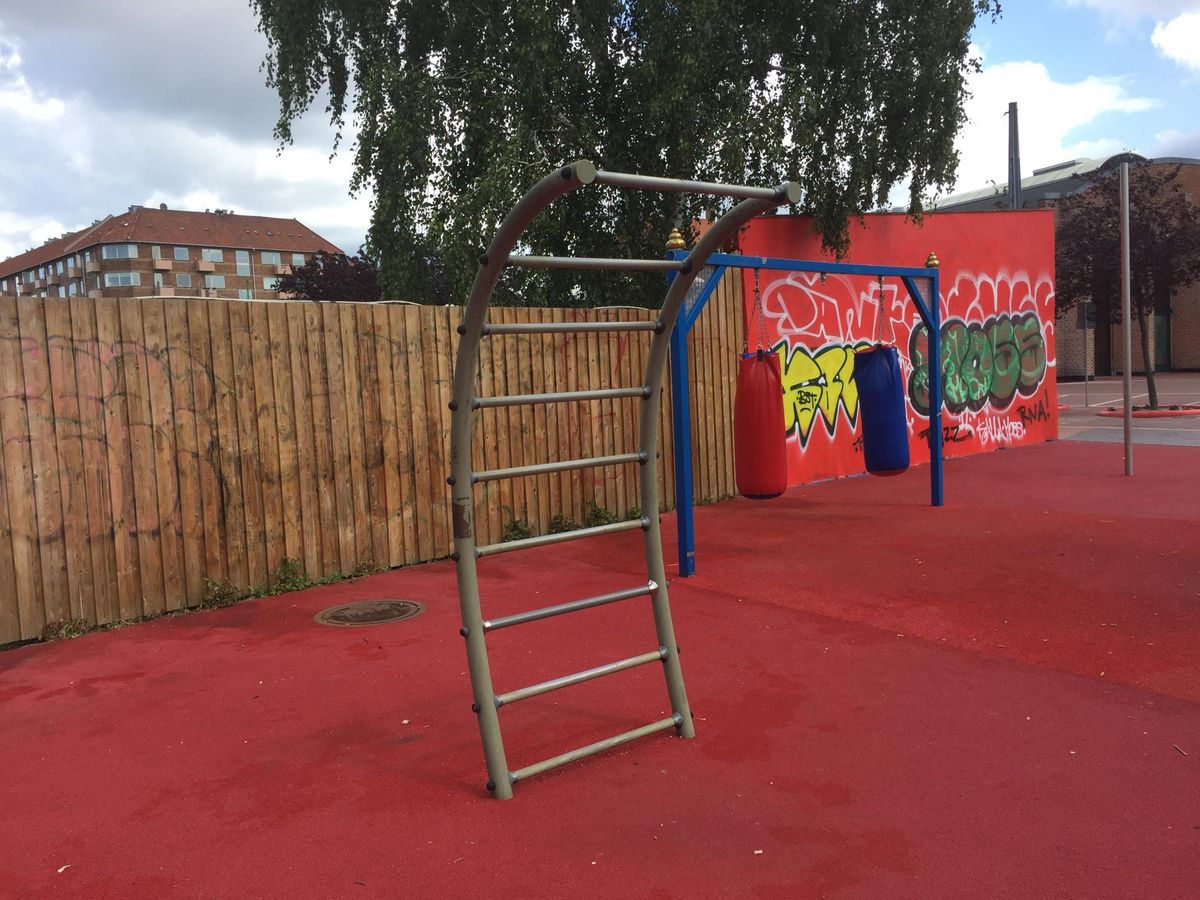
[
  {"x": 1164, "y": 248},
  {"x": 459, "y": 107},
  {"x": 333, "y": 276}
]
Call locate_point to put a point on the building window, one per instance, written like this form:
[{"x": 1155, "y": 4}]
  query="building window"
[
  {"x": 210, "y": 255},
  {"x": 59, "y": 267},
  {"x": 297, "y": 259},
  {"x": 181, "y": 254},
  {"x": 183, "y": 279},
  {"x": 270, "y": 258},
  {"x": 158, "y": 282},
  {"x": 72, "y": 289},
  {"x": 271, "y": 283},
  {"x": 214, "y": 281},
  {"x": 243, "y": 262},
  {"x": 3, "y": 284},
  {"x": 87, "y": 255},
  {"x": 62, "y": 291},
  {"x": 72, "y": 262},
  {"x": 41, "y": 271},
  {"x": 119, "y": 251},
  {"x": 245, "y": 294},
  {"x": 156, "y": 252},
  {"x": 122, "y": 279}
]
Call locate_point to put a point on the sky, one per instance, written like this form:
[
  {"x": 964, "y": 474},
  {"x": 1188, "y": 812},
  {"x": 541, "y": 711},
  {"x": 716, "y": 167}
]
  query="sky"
[{"x": 105, "y": 106}]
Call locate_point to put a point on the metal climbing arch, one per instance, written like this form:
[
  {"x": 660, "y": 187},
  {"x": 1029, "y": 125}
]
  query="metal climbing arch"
[{"x": 475, "y": 327}]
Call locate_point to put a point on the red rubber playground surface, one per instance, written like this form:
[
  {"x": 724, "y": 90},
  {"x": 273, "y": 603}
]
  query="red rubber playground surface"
[{"x": 997, "y": 698}]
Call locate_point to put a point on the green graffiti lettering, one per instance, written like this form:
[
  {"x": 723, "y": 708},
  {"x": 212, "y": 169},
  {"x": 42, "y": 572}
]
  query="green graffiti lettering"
[{"x": 982, "y": 364}]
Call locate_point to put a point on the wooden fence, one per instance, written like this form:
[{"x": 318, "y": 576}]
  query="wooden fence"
[{"x": 149, "y": 445}]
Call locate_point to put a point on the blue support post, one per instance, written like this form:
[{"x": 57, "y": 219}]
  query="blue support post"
[
  {"x": 937, "y": 497},
  {"x": 681, "y": 421}
]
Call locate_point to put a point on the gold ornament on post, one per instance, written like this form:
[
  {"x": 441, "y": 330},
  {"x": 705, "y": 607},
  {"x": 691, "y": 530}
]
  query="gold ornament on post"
[
  {"x": 675, "y": 240},
  {"x": 931, "y": 261}
]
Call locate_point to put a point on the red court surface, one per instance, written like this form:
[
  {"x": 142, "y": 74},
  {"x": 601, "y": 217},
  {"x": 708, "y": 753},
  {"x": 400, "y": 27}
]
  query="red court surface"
[{"x": 1000, "y": 698}]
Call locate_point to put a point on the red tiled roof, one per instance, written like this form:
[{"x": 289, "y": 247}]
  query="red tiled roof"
[{"x": 151, "y": 225}]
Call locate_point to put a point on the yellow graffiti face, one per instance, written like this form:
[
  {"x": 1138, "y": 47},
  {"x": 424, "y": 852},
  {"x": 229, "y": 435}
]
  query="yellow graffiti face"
[{"x": 817, "y": 383}]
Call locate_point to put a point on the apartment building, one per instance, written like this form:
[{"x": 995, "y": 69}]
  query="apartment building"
[{"x": 161, "y": 252}]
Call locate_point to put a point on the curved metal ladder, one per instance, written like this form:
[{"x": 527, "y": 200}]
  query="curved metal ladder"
[{"x": 754, "y": 200}]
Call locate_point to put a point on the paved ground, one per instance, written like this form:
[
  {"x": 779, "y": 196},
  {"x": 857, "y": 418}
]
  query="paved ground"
[
  {"x": 1080, "y": 422},
  {"x": 1000, "y": 698}
]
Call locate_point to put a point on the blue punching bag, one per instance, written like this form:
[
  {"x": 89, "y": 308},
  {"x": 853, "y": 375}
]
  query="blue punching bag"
[{"x": 881, "y": 405}]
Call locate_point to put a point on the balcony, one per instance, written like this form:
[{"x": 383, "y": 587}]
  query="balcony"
[
  {"x": 95, "y": 294},
  {"x": 282, "y": 270},
  {"x": 54, "y": 279},
  {"x": 205, "y": 265},
  {"x": 162, "y": 265},
  {"x": 92, "y": 267},
  {"x": 164, "y": 292}
]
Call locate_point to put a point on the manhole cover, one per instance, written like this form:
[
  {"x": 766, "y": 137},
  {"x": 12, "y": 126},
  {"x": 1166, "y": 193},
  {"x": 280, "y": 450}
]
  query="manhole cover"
[{"x": 369, "y": 612}]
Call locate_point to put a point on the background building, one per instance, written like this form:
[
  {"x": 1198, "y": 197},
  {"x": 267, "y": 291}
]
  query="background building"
[
  {"x": 160, "y": 252},
  {"x": 1175, "y": 343}
]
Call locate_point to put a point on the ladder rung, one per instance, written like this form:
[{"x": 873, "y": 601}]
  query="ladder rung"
[
  {"x": 560, "y": 397},
  {"x": 561, "y": 537},
  {"x": 599, "y": 747},
  {"x": 565, "y": 465},
  {"x": 555, "y": 684},
  {"x": 593, "y": 263},
  {"x": 569, "y": 327},
  {"x": 547, "y": 612},
  {"x": 654, "y": 183}
]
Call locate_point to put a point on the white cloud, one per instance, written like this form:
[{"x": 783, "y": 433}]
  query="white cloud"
[
  {"x": 82, "y": 141},
  {"x": 1179, "y": 39},
  {"x": 16, "y": 96},
  {"x": 1050, "y": 116}
]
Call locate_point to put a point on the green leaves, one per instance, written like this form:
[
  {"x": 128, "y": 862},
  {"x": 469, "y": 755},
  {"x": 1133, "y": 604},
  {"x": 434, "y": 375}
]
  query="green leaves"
[{"x": 461, "y": 106}]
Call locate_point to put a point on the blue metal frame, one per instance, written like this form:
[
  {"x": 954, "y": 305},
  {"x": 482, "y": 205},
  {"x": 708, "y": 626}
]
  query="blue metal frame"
[{"x": 927, "y": 308}]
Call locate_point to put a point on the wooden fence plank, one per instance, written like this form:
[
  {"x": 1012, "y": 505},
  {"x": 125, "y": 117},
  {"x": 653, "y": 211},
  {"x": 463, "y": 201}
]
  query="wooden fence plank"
[
  {"x": 267, "y": 433},
  {"x": 100, "y": 523},
  {"x": 324, "y": 455},
  {"x": 352, "y": 404},
  {"x": 47, "y": 491},
  {"x": 488, "y": 494},
  {"x": 249, "y": 451},
  {"x": 133, "y": 359},
  {"x": 180, "y": 372},
  {"x": 405, "y": 442},
  {"x": 286, "y": 430},
  {"x": 241, "y": 544},
  {"x": 304, "y": 484},
  {"x": 391, "y": 501},
  {"x": 18, "y": 478},
  {"x": 433, "y": 438},
  {"x": 162, "y": 435},
  {"x": 373, "y": 448},
  {"x": 68, "y": 454},
  {"x": 118, "y": 444},
  {"x": 414, "y": 327},
  {"x": 208, "y": 458}
]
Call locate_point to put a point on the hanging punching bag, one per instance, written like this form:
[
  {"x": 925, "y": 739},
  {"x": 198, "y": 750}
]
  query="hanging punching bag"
[
  {"x": 759, "y": 440},
  {"x": 881, "y": 405}
]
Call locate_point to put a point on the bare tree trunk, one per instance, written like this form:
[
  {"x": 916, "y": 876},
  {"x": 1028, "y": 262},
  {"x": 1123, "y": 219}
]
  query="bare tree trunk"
[{"x": 1147, "y": 363}]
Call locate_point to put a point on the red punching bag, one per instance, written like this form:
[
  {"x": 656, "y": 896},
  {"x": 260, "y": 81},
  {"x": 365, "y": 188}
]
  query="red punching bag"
[{"x": 759, "y": 441}]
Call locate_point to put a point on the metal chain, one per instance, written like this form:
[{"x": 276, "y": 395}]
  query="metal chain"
[{"x": 758, "y": 306}]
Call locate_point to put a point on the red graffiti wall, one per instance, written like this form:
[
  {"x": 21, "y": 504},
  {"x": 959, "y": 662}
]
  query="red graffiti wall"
[{"x": 997, "y": 341}]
